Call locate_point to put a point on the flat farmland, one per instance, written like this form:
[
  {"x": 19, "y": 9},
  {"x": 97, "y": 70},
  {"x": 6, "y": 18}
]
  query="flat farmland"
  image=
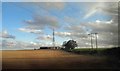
[{"x": 51, "y": 59}]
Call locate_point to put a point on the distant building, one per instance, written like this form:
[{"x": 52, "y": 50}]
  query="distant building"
[
  {"x": 57, "y": 47},
  {"x": 44, "y": 48}
]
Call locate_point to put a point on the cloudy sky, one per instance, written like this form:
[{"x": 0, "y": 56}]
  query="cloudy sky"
[{"x": 28, "y": 25}]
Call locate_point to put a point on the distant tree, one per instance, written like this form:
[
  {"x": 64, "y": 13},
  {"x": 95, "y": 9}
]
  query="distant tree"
[{"x": 71, "y": 44}]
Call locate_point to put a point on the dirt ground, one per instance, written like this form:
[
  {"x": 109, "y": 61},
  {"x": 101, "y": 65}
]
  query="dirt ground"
[{"x": 52, "y": 59}]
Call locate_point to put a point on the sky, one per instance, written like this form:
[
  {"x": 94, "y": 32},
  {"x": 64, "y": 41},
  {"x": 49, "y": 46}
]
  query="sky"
[{"x": 29, "y": 25}]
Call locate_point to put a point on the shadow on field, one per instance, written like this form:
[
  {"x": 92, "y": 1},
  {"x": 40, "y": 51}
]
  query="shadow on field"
[{"x": 112, "y": 54}]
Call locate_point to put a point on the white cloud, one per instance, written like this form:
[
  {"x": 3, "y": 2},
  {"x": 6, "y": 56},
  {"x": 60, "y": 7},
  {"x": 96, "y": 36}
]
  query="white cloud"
[
  {"x": 62, "y": 34},
  {"x": 102, "y": 26},
  {"x": 77, "y": 31},
  {"x": 16, "y": 45},
  {"x": 77, "y": 28},
  {"x": 5, "y": 34},
  {"x": 40, "y": 22},
  {"x": 79, "y": 35},
  {"x": 30, "y": 30},
  {"x": 6, "y": 43},
  {"x": 44, "y": 37}
]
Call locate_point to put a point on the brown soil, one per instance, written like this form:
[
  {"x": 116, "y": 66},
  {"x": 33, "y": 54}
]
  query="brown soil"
[{"x": 51, "y": 59}]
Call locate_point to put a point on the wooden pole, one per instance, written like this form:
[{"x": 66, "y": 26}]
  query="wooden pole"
[
  {"x": 96, "y": 41},
  {"x": 53, "y": 39}
]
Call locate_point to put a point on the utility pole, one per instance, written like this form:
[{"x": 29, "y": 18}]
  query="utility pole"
[
  {"x": 91, "y": 40},
  {"x": 53, "y": 39},
  {"x": 96, "y": 40},
  {"x": 91, "y": 35}
]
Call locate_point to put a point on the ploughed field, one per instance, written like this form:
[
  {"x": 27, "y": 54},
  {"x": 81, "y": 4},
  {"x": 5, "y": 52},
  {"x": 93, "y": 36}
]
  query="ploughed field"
[{"x": 53, "y": 59}]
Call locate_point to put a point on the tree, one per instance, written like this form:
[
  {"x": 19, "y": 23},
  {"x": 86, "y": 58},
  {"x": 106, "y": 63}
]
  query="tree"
[
  {"x": 71, "y": 44},
  {"x": 64, "y": 43}
]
